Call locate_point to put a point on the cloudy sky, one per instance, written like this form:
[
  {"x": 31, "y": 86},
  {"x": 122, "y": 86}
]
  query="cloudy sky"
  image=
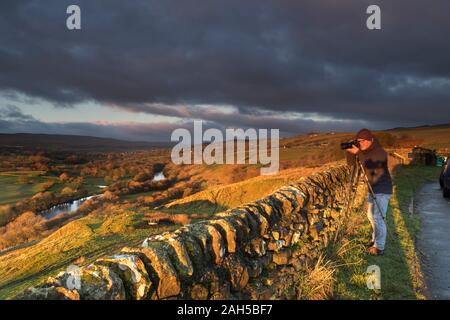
[{"x": 138, "y": 69}]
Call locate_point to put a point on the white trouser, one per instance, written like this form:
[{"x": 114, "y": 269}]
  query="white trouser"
[{"x": 377, "y": 218}]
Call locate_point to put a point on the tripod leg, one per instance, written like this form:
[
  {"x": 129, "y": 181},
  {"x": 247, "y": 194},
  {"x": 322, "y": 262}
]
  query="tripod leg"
[
  {"x": 374, "y": 196},
  {"x": 354, "y": 176}
]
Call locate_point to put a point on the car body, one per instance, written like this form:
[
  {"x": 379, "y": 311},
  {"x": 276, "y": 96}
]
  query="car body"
[{"x": 444, "y": 179}]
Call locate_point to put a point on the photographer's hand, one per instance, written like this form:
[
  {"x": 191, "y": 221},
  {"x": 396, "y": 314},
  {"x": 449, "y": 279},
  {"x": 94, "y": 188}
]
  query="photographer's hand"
[{"x": 353, "y": 150}]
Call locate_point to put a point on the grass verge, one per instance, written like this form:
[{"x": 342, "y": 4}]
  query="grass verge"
[{"x": 401, "y": 274}]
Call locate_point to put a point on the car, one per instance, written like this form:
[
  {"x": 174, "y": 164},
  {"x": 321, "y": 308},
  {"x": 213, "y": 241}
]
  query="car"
[{"x": 444, "y": 179}]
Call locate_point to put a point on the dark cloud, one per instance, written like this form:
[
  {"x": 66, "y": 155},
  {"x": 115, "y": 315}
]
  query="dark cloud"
[
  {"x": 266, "y": 58},
  {"x": 13, "y": 113}
]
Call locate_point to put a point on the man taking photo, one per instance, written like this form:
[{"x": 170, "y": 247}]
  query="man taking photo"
[{"x": 375, "y": 162}]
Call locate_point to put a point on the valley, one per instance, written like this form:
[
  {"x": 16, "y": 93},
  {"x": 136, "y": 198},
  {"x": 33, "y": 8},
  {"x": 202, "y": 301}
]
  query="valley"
[{"x": 60, "y": 207}]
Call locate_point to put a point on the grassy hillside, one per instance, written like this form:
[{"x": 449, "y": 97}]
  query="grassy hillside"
[
  {"x": 433, "y": 137},
  {"x": 235, "y": 194},
  {"x": 84, "y": 240}
]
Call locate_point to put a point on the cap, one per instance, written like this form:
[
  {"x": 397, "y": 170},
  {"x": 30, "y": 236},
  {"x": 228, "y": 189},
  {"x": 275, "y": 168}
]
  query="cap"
[{"x": 364, "y": 134}]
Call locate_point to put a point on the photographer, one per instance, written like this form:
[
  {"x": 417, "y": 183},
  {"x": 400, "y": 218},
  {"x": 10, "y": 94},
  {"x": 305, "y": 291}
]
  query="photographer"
[{"x": 375, "y": 162}]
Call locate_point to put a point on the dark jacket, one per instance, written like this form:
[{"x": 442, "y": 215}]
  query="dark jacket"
[{"x": 375, "y": 162}]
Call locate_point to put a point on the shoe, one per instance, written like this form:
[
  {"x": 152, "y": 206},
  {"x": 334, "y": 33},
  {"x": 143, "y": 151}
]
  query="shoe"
[
  {"x": 370, "y": 244},
  {"x": 374, "y": 251}
]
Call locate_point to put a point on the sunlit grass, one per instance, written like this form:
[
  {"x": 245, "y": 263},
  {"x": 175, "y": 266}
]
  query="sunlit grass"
[{"x": 20, "y": 185}]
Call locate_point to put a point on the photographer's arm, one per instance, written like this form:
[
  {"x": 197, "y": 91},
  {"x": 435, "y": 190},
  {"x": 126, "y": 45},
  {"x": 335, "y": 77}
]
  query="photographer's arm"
[{"x": 351, "y": 155}]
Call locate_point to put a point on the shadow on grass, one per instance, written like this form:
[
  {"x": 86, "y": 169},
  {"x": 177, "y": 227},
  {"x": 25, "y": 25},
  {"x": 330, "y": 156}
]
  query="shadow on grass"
[
  {"x": 196, "y": 207},
  {"x": 407, "y": 282}
]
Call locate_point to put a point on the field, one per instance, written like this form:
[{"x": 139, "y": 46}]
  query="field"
[
  {"x": 19, "y": 185},
  {"x": 134, "y": 196}
]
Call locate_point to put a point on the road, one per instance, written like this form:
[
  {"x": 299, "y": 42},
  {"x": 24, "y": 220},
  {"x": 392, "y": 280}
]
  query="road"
[{"x": 434, "y": 241}]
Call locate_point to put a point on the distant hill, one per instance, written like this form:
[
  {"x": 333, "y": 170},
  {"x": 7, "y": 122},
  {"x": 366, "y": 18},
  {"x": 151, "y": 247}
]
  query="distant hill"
[
  {"x": 429, "y": 136},
  {"x": 433, "y": 136},
  {"x": 435, "y": 126},
  {"x": 50, "y": 142}
]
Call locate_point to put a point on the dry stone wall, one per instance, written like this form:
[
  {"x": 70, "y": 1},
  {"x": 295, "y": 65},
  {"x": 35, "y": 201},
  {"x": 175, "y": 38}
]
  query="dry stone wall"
[{"x": 216, "y": 258}]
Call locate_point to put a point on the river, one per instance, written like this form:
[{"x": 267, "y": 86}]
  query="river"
[
  {"x": 74, "y": 205},
  {"x": 65, "y": 207},
  {"x": 159, "y": 176}
]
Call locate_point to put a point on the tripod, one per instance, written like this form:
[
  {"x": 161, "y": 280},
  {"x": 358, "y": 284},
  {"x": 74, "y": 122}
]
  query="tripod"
[
  {"x": 366, "y": 179},
  {"x": 353, "y": 182},
  {"x": 357, "y": 169},
  {"x": 372, "y": 193}
]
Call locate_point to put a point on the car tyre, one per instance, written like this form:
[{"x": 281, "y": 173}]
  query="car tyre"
[{"x": 446, "y": 192}]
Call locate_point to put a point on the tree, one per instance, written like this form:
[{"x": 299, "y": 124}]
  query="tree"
[
  {"x": 42, "y": 167},
  {"x": 143, "y": 176},
  {"x": 108, "y": 195},
  {"x": 6, "y": 213},
  {"x": 24, "y": 228},
  {"x": 187, "y": 192},
  {"x": 67, "y": 190},
  {"x": 64, "y": 177},
  {"x": 78, "y": 181}
]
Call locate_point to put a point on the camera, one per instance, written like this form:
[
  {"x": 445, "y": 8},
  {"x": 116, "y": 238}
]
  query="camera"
[{"x": 349, "y": 144}]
